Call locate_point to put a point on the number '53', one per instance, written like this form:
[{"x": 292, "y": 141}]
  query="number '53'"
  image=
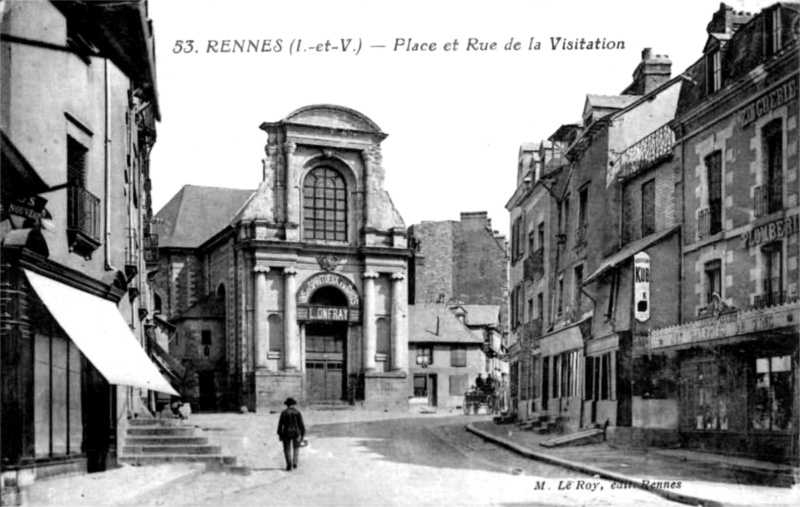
[{"x": 183, "y": 46}]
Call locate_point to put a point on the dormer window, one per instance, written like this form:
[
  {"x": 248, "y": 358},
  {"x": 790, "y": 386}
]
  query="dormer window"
[
  {"x": 714, "y": 70},
  {"x": 773, "y": 28}
]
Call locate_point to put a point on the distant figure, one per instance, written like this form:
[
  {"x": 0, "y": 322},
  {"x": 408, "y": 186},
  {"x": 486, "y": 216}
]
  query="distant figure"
[
  {"x": 489, "y": 384},
  {"x": 480, "y": 383},
  {"x": 291, "y": 432}
]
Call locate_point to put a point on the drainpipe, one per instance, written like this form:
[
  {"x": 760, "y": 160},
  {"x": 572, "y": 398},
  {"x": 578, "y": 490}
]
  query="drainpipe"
[{"x": 107, "y": 169}]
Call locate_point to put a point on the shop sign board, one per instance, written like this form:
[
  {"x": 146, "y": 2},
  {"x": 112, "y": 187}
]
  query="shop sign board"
[{"x": 727, "y": 325}]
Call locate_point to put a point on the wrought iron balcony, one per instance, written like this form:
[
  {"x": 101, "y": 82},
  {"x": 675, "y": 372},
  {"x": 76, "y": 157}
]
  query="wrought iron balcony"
[
  {"x": 767, "y": 199},
  {"x": 150, "y": 248},
  {"x": 83, "y": 221},
  {"x": 709, "y": 220},
  {"x": 533, "y": 267},
  {"x": 646, "y": 153}
]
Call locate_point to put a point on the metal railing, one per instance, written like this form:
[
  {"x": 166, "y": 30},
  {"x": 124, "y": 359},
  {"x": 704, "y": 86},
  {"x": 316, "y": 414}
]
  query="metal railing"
[
  {"x": 766, "y": 200},
  {"x": 647, "y": 152},
  {"x": 83, "y": 212},
  {"x": 150, "y": 248},
  {"x": 709, "y": 221}
]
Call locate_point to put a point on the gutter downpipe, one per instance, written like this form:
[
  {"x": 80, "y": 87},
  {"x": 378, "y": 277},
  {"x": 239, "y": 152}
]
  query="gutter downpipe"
[{"x": 107, "y": 171}]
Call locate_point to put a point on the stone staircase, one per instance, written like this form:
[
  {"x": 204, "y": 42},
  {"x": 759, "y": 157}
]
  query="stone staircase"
[{"x": 157, "y": 441}]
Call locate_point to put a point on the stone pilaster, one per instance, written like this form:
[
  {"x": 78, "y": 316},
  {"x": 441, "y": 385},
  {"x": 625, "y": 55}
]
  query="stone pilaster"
[
  {"x": 370, "y": 331},
  {"x": 292, "y": 193},
  {"x": 399, "y": 306},
  {"x": 369, "y": 187},
  {"x": 260, "y": 323},
  {"x": 291, "y": 339}
]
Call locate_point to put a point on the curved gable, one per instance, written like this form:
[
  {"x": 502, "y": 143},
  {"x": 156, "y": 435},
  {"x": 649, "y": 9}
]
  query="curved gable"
[{"x": 332, "y": 116}]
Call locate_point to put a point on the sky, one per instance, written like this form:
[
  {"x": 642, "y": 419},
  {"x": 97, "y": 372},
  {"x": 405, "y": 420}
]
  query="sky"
[{"x": 456, "y": 117}]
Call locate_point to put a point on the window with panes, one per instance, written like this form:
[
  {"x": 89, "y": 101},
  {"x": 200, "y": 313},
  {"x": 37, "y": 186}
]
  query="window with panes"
[
  {"x": 325, "y": 205},
  {"x": 648, "y": 207},
  {"x": 773, "y": 147},
  {"x": 714, "y": 178},
  {"x": 713, "y": 282}
]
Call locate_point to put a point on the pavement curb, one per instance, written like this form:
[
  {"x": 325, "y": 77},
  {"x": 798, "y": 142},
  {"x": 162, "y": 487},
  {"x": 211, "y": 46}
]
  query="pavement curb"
[{"x": 587, "y": 469}]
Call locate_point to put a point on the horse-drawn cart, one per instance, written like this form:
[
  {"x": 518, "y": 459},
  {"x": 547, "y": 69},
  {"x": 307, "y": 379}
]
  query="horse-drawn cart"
[{"x": 475, "y": 399}]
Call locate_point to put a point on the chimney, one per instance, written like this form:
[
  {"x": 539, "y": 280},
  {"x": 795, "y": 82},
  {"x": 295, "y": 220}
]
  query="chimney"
[
  {"x": 652, "y": 72},
  {"x": 475, "y": 220},
  {"x": 727, "y": 21}
]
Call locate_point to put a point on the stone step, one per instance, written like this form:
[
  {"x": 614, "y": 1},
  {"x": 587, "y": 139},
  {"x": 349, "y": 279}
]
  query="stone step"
[
  {"x": 166, "y": 440},
  {"x": 171, "y": 449},
  {"x": 156, "y": 422},
  {"x": 158, "y": 459},
  {"x": 186, "y": 431}
]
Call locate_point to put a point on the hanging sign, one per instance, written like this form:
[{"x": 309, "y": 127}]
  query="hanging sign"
[{"x": 641, "y": 286}]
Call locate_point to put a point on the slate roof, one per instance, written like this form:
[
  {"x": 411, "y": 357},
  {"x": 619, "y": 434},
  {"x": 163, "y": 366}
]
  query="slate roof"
[
  {"x": 611, "y": 101},
  {"x": 437, "y": 324},
  {"x": 195, "y": 214},
  {"x": 482, "y": 315}
]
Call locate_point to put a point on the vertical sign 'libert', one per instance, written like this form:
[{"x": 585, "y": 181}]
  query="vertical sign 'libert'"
[{"x": 641, "y": 286}]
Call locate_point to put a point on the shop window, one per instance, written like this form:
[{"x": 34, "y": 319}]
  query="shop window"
[
  {"x": 773, "y": 394},
  {"x": 424, "y": 355},
  {"x": 707, "y": 391},
  {"x": 324, "y": 205},
  {"x": 600, "y": 374},
  {"x": 566, "y": 375},
  {"x": 648, "y": 207},
  {"x": 458, "y": 356},
  {"x": 58, "y": 429}
]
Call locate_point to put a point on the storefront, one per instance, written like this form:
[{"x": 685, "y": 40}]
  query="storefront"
[{"x": 738, "y": 381}]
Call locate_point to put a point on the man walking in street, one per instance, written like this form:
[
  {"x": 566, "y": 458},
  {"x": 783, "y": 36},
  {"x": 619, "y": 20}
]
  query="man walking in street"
[{"x": 291, "y": 432}]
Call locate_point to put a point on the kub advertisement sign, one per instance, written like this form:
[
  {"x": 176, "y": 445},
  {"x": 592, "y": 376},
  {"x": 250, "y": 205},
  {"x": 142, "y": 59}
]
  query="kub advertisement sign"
[{"x": 641, "y": 286}]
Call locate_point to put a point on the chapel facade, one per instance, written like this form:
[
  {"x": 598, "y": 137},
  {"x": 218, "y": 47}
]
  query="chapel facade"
[{"x": 311, "y": 271}]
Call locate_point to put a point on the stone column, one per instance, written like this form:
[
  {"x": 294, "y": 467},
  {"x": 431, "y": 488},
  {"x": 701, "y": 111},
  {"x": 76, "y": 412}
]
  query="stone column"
[
  {"x": 291, "y": 347},
  {"x": 369, "y": 175},
  {"x": 260, "y": 322},
  {"x": 398, "y": 321},
  {"x": 370, "y": 332},
  {"x": 292, "y": 192}
]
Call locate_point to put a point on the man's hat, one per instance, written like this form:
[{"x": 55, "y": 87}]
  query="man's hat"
[{"x": 289, "y": 402}]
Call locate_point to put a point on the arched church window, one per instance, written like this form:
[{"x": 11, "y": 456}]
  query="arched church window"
[{"x": 324, "y": 205}]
